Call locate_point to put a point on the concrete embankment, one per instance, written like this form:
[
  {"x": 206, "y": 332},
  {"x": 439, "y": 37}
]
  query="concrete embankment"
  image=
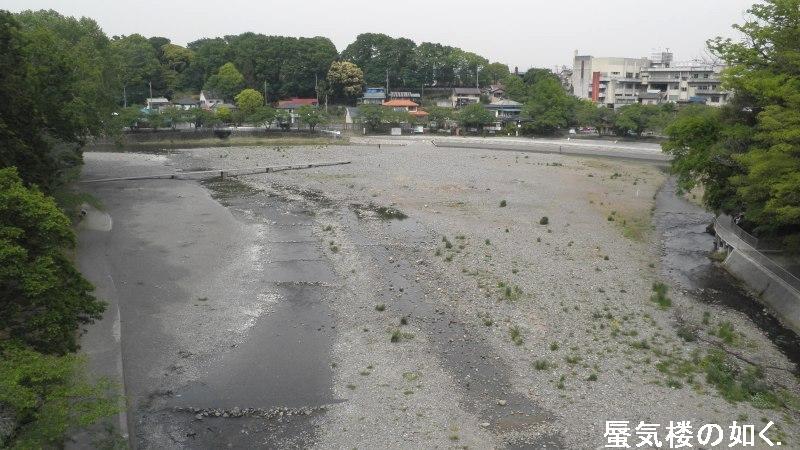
[{"x": 772, "y": 290}]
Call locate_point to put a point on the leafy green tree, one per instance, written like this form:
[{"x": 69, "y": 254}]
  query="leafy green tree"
[
  {"x": 475, "y": 115},
  {"x": 136, "y": 64},
  {"x": 224, "y": 114},
  {"x": 439, "y": 115},
  {"x": 346, "y": 80},
  {"x": 535, "y": 75},
  {"x": 695, "y": 140},
  {"x": 209, "y": 56},
  {"x": 61, "y": 100},
  {"x": 173, "y": 116},
  {"x": 249, "y": 101},
  {"x": 395, "y": 118},
  {"x": 635, "y": 118},
  {"x": 494, "y": 73},
  {"x": 371, "y": 115},
  {"x": 227, "y": 81},
  {"x": 379, "y": 55},
  {"x": 548, "y": 107},
  {"x": 747, "y": 156},
  {"x": 49, "y": 396},
  {"x": 263, "y": 115},
  {"x": 764, "y": 72},
  {"x": 203, "y": 118},
  {"x": 43, "y": 298},
  {"x": 311, "y": 116}
]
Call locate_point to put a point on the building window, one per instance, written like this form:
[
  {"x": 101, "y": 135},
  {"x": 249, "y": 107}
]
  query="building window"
[
  {"x": 705, "y": 75},
  {"x": 714, "y": 99},
  {"x": 683, "y": 89},
  {"x": 629, "y": 75},
  {"x": 695, "y": 75}
]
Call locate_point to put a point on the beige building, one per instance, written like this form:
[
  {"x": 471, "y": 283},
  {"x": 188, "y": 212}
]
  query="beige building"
[
  {"x": 615, "y": 82},
  {"x": 608, "y": 80}
]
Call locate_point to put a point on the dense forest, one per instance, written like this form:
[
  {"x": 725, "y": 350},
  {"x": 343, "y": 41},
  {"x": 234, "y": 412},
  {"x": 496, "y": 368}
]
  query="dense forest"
[{"x": 286, "y": 66}]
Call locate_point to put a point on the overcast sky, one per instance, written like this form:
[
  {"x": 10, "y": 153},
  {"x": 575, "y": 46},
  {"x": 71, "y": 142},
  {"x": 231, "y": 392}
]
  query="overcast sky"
[{"x": 524, "y": 33}]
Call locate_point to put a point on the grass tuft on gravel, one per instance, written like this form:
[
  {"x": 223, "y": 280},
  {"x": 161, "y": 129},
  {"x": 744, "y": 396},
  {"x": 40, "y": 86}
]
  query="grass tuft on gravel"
[{"x": 660, "y": 295}]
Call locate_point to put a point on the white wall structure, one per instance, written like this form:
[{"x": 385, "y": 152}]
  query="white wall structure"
[{"x": 616, "y": 81}]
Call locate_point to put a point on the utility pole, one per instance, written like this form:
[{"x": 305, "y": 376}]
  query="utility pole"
[
  {"x": 387, "y": 81},
  {"x": 476, "y": 77},
  {"x": 316, "y": 86},
  {"x": 266, "y": 102},
  {"x": 151, "y": 88},
  {"x": 125, "y": 96}
]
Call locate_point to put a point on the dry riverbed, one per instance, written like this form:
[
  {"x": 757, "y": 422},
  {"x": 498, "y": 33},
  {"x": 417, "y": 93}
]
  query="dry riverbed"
[{"x": 491, "y": 299}]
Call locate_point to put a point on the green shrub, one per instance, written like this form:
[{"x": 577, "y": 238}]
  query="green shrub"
[
  {"x": 44, "y": 298},
  {"x": 49, "y": 396},
  {"x": 516, "y": 335},
  {"x": 660, "y": 295},
  {"x": 541, "y": 364}
]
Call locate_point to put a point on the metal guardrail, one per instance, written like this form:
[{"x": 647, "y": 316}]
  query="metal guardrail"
[
  {"x": 726, "y": 230},
  {"x": 763, "y": 245}
]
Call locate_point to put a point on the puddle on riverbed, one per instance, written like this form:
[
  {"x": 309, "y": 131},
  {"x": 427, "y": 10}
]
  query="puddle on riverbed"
[
  {"x": 682, "y": 226},
  {"x": 284, "y": 360}
]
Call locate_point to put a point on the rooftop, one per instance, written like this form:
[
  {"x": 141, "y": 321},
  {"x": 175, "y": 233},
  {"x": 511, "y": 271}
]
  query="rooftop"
[
  {"x": 466, "y": 91},
  {"x": 400, "y": 103},
  {"x": 404, "y": 94},
  {"x": 186, "y": 101},
  {"x": 295, "y": 102}
]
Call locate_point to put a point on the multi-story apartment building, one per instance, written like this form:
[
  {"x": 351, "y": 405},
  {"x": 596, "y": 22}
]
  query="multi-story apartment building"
[{"x": 616, "y": 82}]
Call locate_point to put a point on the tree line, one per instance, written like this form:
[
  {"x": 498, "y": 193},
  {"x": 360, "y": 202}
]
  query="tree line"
[
  {"x": 57, "y": 88},
  {"x": 283, "y": 67}
]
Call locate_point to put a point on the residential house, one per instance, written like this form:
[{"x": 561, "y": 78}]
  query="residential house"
[
  {"x": 464, "y": 96},
  {"x": 406, "y": 105},
  {"x": 404, "y": 95},
  {"x": 156, "y": 103},
  {"x": 209, "y": 99},
  {"x": 186, "y": 103},
  {"x": 495, "y": 92},
  {"x": 293, "y": 104},
  {"x": 505, "y": 110},
  {"x": 373, "y": 96}
]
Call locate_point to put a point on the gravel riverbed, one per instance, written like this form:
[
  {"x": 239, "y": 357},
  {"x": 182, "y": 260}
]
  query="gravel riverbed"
[{"x": 500, "y": 299}]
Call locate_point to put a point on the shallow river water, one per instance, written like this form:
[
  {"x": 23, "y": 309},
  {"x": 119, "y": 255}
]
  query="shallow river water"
[{"x": 684, "y": 260}]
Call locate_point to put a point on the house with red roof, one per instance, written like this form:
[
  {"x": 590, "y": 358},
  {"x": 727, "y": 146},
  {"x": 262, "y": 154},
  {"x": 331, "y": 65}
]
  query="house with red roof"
[
  {"x": 405, "y": 105},
  {"x": 293, "y": 104}
]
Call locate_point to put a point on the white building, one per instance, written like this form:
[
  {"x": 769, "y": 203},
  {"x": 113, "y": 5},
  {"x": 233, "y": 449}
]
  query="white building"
[
  {"x": 616, "y": 82},
  {"x": 687, "y": 82}
]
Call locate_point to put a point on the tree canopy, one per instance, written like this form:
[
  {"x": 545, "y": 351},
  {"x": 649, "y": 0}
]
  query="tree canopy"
[
  {"x": 43, "y": 298},
  {"x": 345, "y": 80},
  {"x": 475, "y": 115},
  {"x": 747, "y": 156}
]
